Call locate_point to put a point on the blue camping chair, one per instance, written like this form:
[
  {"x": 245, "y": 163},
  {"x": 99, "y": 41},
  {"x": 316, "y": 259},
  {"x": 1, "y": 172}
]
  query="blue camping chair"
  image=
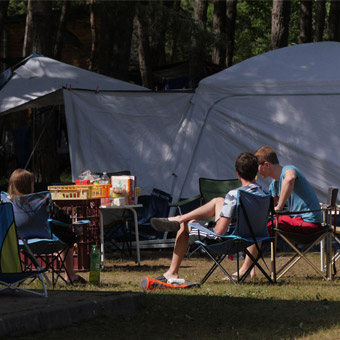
[
  {"x": 32, "y": 215},
  {"x": 11, "y": 272},
  {"x": 252, "y": 212}
]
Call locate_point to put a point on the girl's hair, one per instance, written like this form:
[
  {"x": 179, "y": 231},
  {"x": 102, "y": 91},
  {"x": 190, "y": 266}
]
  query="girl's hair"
[{"x": 20, "y": 183}]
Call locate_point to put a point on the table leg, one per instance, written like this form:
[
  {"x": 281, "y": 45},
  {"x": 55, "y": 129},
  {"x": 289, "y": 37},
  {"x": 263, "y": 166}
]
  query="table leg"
[
  {"x": 137, "y": 234},
  {"x": 101, "y": 239}
]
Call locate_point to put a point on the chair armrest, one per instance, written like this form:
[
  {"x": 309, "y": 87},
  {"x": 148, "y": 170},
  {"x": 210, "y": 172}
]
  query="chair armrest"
[{"x": 184, "y": 202}]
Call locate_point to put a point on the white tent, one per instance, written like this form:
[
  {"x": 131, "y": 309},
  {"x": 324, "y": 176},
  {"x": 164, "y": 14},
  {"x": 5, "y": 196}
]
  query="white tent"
[
  {"x": 38, "y": 81},
  {"x": 287, "y": 98},
  {"x": 112, "y": 125}
]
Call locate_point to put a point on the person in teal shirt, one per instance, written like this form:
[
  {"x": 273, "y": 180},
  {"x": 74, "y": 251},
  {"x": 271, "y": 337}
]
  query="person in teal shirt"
[{"x": 290, "y": 187}]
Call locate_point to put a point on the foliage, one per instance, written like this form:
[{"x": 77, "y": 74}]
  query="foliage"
[
  {"x": 253, "y": 29},
  {"x": 16, "y": 7}
]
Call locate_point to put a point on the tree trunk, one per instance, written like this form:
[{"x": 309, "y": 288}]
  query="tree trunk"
[
  {"x": 114, "y": 37},
  {"x": 219, "y": 29},
  {"x": 158, "y": 32},
  {"x": 333, "y": 21},
  {"x": 306, "y": 21},
  {"x": 175, "y": 34},
  {"x": 61, "y": 29},
  {"x": 280, "y": 24},
  {"x": 122, "y": 32},
  {"x": 3, "y": 17},
  {"x": 143, "y": 46},
  {"x": 231, "y": 20},
  {"x": 38, "y": 39},
  {"x": 320, "y": 20},
  {"x": 38, "y": 28},
  {"x": 197, "y": 57},
  {"x": 93, "y": 36}
]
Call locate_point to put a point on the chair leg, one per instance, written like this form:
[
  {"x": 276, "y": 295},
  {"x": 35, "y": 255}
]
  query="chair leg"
[
  {"x": 299, "y": 255},
  {"x": 255, "y": 263},
  {"x": 273, "y": 258},
  {"x": 217, "y": 263}
]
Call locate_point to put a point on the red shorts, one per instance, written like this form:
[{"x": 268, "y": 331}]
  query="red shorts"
[{"x": 296, "y": 225}]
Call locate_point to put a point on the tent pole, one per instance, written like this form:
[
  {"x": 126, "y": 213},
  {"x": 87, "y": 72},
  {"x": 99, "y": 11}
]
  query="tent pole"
[{"x": 39, "y": 138}]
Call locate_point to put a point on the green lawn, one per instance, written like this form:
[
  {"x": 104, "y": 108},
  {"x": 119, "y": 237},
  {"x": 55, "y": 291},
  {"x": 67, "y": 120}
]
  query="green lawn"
[{"x": 300, "y": 306}]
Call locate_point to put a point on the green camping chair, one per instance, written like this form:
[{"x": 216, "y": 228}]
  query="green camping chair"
[
  {"x": 11, "y": 273},
  {"x": 209, "y": 189}
]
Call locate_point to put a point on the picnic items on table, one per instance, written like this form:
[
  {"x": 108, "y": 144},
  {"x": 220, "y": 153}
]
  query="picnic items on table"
[{"x": 117, "y": 190}]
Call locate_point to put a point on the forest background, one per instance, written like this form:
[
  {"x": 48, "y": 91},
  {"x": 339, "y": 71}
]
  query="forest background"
[{"x": 144, "y": 42}]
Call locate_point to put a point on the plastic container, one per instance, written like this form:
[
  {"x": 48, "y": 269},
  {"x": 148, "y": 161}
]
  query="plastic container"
[
  {"x": 105, "y": 179},
  {"x": 95, "y": 265}
]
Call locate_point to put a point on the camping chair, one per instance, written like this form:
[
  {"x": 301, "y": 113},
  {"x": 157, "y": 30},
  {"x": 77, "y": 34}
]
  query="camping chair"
[
  {"x": 32, "y": 215},
  {"x": 11, "y": 273},
  {"x": 209, "y": 189},
  {"x": 330, "y": 218},
  {"x": 252, "y": 212},
  {"x": 301, "y": 244}
]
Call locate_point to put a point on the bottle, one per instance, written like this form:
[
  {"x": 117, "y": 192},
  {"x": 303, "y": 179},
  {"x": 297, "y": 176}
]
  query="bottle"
[
  {"x": 95, "y": 265},
  {"x": 105, "y": 179}
]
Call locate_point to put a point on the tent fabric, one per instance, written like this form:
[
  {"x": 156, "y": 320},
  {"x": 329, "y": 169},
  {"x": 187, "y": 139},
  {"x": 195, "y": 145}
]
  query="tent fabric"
[
  {"x": 287, "y": 98},
  {"x": 39, "y": 80},
  {"x": 110, "y": 131}
]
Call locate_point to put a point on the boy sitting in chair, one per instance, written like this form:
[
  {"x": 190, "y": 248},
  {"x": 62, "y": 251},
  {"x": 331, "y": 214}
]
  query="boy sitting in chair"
[{"x": 223, "y": 209}]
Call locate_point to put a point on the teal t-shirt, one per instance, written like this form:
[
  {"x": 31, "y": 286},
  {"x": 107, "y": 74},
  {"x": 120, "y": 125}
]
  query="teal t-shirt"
[{"x": 302, "y": 198}]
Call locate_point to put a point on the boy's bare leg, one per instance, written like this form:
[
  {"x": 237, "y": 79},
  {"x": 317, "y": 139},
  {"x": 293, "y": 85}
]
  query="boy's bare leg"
[
  {"x": 208, "y": 210},
  {"x": 247, "y": 263},
  {"x": 180, "y": 249}
]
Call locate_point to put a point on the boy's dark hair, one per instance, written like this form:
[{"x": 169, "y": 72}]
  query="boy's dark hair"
[
  {"x": 266, "y": 154},
  {"x": 246, "y": 165}
]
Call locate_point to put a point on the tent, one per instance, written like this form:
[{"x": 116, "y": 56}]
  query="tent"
[
  {"x": 38, "y": 81},
  {"x": 112, "y": 125},
  {"x": 288, "y": 98}
]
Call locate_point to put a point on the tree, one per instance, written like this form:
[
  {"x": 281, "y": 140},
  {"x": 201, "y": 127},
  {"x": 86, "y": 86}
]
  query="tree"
[
  {"x": 306, "y": 21},
  {"x": 158, "y": 27},
  {"x": 198, "y": 42},
  {"x": 93, "y": 36},
  {"x": 174, "y": 32},
  {"x": 320, "y": 17},
  {"x": 144, "y": 45},
  {"x": 61, "y": 29},
  {"x": 38, "y": 40},
  {"x": 115, "y": 33},
  {"x": 219, "y": 29},
  {"x": 38, "y": 28},
  {"x": 280, "y": 24},
  {"x": 333, "y": 21},
  {"x": 3, "y": 15},
  {"x": 230, "y": 32}
]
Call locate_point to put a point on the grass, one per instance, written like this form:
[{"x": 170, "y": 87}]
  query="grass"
[{"x": 300, "y": 306}]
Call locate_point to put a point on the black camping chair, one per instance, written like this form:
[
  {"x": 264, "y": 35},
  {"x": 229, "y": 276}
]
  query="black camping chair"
[{"x": 252, "y": 212}]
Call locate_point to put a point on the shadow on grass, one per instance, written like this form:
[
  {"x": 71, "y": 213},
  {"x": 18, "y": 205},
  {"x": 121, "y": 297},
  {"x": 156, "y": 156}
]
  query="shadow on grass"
[
  {"x": 163, "y": 315},
  {"x": 206, "y": 317}
]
